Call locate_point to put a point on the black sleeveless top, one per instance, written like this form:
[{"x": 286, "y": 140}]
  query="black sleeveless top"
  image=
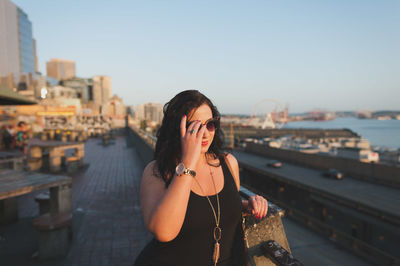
[{"x": 194, "y": 244}]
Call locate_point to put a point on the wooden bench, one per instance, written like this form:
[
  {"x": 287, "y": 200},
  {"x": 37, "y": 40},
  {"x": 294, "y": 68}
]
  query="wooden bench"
[
  {"x": 72, "y": 164},
  {"x": 54, "y": 234}
]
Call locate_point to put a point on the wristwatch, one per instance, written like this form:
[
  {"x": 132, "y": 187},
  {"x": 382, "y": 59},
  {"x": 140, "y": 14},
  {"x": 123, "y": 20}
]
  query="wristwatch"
[{"x": 182, "y": 170}]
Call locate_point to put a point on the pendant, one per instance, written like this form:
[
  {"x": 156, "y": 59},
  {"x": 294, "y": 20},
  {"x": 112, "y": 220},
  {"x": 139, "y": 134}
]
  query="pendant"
[
  {"x": 217, "y": 237},
  {"x": 216, "y": 253}
]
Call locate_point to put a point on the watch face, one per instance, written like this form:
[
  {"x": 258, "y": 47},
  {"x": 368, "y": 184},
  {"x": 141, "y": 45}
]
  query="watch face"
[{"x": 179, "y": 169}]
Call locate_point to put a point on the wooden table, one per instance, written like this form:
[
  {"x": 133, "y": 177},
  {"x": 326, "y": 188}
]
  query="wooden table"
[
  {"x": 17, "y": 183},
  {"x": 56, "y": 151}
]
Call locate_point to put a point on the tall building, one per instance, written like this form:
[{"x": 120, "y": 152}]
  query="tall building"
[
  {"x": 60, "y": 69},
  {"x": 17, "y": 49},
  {"x": 101, "y": 89},
  {"x": 26, "y": 42},
  {"x": 35, "y": 55},
  {"x": 149, "y": 112},
  {"x": 114, "y": 107}
]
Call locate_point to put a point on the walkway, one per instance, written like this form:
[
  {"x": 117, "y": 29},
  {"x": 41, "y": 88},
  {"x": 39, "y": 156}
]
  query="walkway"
[{"x": 107, "y": 220}]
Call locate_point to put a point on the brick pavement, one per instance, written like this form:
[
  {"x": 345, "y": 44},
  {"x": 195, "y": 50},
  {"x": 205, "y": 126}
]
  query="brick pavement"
[{"x": 107, "y": 223}]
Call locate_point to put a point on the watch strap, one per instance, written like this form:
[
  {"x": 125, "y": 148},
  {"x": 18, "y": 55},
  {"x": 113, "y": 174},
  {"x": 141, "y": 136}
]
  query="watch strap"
[{"x": 188, "y": 171}]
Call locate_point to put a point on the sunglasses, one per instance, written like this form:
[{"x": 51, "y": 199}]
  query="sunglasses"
[{"x": 211, "y": 124}]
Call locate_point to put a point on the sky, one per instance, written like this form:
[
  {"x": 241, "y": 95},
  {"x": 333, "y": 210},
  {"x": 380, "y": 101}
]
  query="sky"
[{"x": 333, "y": 55}]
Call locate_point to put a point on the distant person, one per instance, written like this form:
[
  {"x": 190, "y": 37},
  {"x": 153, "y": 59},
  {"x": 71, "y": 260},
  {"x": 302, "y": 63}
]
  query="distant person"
[
  {"x": 7, "y": 137},
  {"x": 190, "y": 193},
  {"x": 11, "y": 130},
  {"x": 22, "y": 137}
]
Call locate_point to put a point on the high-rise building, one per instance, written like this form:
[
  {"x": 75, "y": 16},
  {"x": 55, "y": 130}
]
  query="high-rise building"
[
  {"x": 35, "y": 55},
  {"x": 101, "y": 89},
  {"x": 17, "y": 49},
  {"x": 27, "y": 47},
  {"x": 149, "y": 112},
  {"x": 60, "y": 69}
]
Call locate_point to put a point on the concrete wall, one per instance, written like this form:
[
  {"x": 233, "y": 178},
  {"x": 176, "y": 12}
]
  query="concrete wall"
[
  {"x": 144, "y": 149},
  {"x": 244, "y": 132},
  {"x": 364, "y": 234},
  {"x": 377, "y": 173}
]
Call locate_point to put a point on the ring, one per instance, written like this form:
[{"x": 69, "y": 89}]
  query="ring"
[{"x": 191, "y": 132}]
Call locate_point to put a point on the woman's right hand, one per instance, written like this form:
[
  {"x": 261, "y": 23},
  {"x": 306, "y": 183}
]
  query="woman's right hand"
[{"x": 191, "y": 138}]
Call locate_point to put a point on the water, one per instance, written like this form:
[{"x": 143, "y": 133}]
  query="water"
[{"x": 384, "y": 133}]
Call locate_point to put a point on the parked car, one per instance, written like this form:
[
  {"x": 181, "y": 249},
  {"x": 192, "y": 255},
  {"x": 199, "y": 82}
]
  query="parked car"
[
  {"x": 333, "y": 173},
  {"x": 274, "y": 164}
]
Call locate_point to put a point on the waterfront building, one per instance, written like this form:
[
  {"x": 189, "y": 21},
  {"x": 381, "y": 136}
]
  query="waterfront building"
[
  {"x": 360, "y": 154},
  {"x": 356, "y": 143},
  {"x": 60, "y": 69}
]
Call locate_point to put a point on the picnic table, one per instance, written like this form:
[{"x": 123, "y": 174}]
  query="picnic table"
[
  {"x": 17, "y": 183},
  {"x": 55, "y": 151}
]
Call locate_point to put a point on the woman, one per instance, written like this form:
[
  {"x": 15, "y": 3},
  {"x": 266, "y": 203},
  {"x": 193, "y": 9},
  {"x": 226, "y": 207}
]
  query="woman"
[{"x": 189, "y": 193}]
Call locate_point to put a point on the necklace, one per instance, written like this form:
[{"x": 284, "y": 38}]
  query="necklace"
[{"x": 217, "y": 230}]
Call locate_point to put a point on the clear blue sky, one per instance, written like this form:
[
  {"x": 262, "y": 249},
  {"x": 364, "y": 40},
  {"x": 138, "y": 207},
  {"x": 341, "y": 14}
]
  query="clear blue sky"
[{"x": 335, "y": 55}]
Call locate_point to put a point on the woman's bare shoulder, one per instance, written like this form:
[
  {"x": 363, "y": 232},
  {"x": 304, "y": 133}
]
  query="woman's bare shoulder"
[
  {"x": 233, "y": 167},
  {"x": 231, "y": 159},
  {"x": 150, "y": 167},
  {"x": 151, "y": 173}
]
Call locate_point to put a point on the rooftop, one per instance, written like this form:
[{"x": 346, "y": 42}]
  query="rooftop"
[{"x": 107, "y": 223}]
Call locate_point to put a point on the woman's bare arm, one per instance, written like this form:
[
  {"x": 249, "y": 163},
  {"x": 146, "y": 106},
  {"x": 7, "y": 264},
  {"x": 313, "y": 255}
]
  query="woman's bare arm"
[
  {"x": 164, "y": 208},
  {"x": 256, "y": 205}
]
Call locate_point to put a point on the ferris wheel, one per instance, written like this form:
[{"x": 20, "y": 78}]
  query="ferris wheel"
[{"x": 268, "y": 113}]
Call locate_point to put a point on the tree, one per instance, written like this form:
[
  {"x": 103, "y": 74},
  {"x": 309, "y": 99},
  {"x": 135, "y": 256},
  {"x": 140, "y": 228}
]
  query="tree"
[{"x": 143, "y": 124}]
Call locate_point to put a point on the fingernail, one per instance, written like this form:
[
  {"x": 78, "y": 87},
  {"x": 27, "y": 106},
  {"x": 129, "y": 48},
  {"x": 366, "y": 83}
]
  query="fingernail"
[{"x": 184, "y": 115}]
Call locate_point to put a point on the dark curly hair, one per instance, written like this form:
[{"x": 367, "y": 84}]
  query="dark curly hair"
[{"x": 168, "y": 151}]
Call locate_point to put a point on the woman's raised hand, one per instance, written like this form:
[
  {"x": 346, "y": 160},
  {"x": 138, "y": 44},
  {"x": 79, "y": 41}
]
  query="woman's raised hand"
[{"x": 191, "y": 142}]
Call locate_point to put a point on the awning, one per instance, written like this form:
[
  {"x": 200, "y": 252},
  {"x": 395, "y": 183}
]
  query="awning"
[{"x": 9, "y": 97}]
